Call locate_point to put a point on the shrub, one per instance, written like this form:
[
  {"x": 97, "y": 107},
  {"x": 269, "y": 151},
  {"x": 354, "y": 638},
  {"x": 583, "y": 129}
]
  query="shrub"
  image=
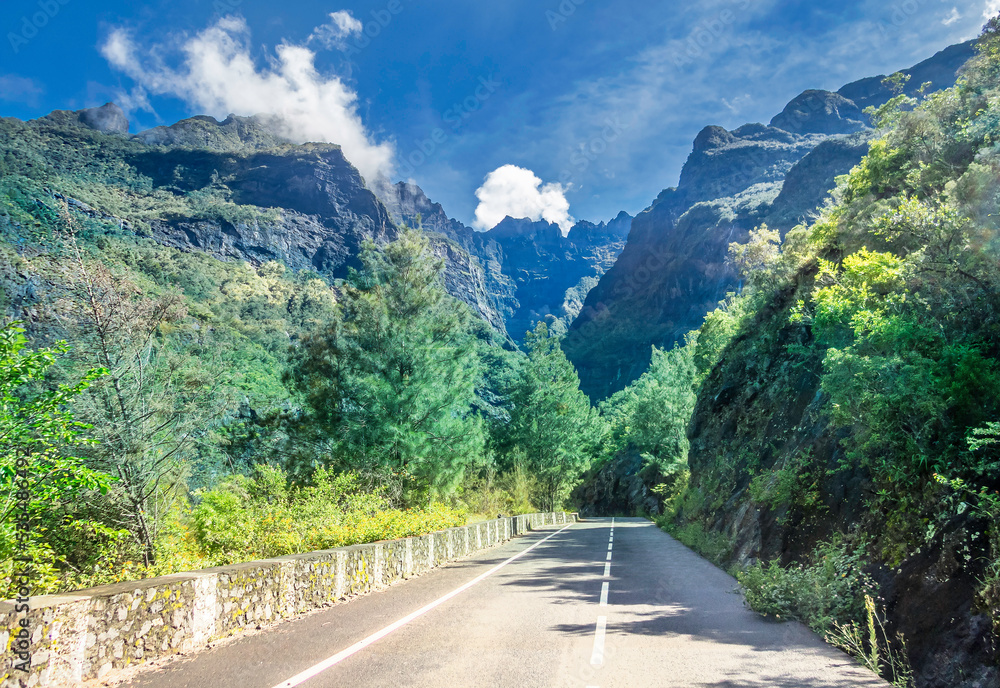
[
  {"x": 826, "y": 591},
  {"x": 513, "y": 492},
  {"x": 245, "y": 519},
  {"x": 794, "y": 484}
]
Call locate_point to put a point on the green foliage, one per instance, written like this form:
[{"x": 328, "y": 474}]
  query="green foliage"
[
  {"x": 552, "y": 421},
  {"x": 902, "y": 369},
  {"x": 651, "y": 415},
  {"x": 672, "y": 494},
  {"x": 244, "y": 519},
  {"x": 985, "y": 503},
  {"x": 795, "y": 484},
  {"x": 490, "y": 493},
  {"x": 719, "y": 329},
  {"x": 263, "y": 516},
  {"x": 905, "y": 307},
  {"x": 889, "y": 114},
  {"x": 827, "y": 590},
  {"x": 392, "y": 380},
  {"x": 714, "y": 546},
  {"x": 759, "y": 256},
  {"x": 36, "y": 433},
  {"x": 985, "y": 436}
]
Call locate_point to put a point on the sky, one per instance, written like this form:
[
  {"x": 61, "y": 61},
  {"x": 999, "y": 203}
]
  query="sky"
[{"x": 554, "y": 109}]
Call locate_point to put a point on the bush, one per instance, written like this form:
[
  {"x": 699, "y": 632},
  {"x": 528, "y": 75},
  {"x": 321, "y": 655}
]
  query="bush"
[
  {"x": 827, "y": 591},
  {"x": 246, "y": 519},
  {"x": 512, "y": 493},
  {"x": 796, "y": 483}
]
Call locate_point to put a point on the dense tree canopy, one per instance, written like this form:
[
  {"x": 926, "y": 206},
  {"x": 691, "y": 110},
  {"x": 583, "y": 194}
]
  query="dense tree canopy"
[{"x": 392, "y": 380}]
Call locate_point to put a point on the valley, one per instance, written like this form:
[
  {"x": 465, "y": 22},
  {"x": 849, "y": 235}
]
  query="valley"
[{"x": 223, "y": 347}]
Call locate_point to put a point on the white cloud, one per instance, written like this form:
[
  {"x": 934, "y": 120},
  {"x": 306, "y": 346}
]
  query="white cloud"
[
  {"x": 666, "y": 91},
  {"x": 333, "y": 34},
  {"x": 517, "y": 192},
  {"x": 952, "y": 17},
  {"x": 217, "y": 75},
  {"x": 991, "y": 9}
]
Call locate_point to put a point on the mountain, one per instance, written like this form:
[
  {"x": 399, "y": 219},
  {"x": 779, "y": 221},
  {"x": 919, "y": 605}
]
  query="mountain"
[
  {"x": 231, "y": 188},
  {"x": 853, "y": 397},
  {"x": 673, "y": 268},
  {"x": 532, "y": 270},
  {"x": 238, "y": 192}
]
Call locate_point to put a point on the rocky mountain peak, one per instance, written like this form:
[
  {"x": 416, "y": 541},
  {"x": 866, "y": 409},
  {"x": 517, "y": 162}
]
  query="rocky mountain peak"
[
  {"x": 711, "y": 137},
  {"x": 108, "y": 119},
  {"x": 820, "y": 112},
  {"x": 617, "y": 228},
  {"x": 234, "y": 134},
  {"x": 523, "y": 227}
]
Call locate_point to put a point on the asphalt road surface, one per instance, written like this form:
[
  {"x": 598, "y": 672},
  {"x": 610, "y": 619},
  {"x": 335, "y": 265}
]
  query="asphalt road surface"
[{"x": 609, "y": 604}]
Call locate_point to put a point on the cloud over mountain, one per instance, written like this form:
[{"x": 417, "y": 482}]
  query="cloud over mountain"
[
  {"x": 517, "y": 192},
  {"x": 215, "y": 72}
]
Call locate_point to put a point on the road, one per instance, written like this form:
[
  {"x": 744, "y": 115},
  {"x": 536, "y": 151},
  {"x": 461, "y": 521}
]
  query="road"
[{"x": 599, "y": 603}]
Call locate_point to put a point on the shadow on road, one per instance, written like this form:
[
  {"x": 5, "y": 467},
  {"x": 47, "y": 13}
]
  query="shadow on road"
[{"x": 661, "y": 589}]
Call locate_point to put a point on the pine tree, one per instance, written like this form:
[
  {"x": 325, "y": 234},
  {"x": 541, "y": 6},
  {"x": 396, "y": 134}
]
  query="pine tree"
[
  {"x": 552, "y": 420},
  {"x": 391, "y": 382}
]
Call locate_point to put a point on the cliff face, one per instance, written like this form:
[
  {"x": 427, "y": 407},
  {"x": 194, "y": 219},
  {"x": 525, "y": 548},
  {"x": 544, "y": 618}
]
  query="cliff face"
[
  {"x": 552, "y": 272},
  {"x": 763, "y": 409},
  {"x": 237, "y": 191},
  {"x": 531, "y": 271},
  {"x": 322, "y": 209},
  {"x": 673, "y": 269}
]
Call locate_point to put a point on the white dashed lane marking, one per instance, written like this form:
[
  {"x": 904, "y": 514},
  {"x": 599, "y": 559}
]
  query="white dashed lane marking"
[
  {"x": 375, "y": 637},
  {"x": 597, "y": 658}
]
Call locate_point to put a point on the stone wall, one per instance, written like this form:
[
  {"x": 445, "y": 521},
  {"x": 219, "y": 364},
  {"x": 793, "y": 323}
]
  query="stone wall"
[{"x": 85, "y": 634}]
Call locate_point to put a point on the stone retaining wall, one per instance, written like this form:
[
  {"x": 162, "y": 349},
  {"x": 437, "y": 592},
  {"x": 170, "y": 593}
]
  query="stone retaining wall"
[{"x": 83, "y": 635}]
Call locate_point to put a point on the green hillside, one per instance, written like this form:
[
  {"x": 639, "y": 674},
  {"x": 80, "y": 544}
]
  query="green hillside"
[{"x": 846, "y": 420}]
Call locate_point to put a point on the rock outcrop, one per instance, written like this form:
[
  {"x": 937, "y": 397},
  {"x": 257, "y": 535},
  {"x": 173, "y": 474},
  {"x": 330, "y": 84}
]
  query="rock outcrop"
[
  {"x": 673, "y": 269},
  {"x": 315, "y": 208},
  {"x": 621, "y": 487},
  {"x": 108, "y": 119},
  {"x": 531, "y": 270}
]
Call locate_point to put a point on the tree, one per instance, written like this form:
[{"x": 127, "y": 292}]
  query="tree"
[
  {"x": 651, "y": 415},
  {"x": 552, "y": 421},
  {"x": 390, "y": 383},
  {"x": 36, "y": 431},
  {"x": 154, "y": 401},
  {"x": 755, "y": 260}
]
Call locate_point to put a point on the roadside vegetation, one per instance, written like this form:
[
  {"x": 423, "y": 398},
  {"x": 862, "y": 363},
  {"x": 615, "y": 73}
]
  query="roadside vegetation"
[
  {"x": 221, "y": 413},
  {"x": 892, "y": 297},
  {"x": 201, "y": 412}
]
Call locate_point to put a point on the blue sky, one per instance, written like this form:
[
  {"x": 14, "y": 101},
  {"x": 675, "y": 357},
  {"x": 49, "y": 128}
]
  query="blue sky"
[{"x": 600, "y": 99}]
